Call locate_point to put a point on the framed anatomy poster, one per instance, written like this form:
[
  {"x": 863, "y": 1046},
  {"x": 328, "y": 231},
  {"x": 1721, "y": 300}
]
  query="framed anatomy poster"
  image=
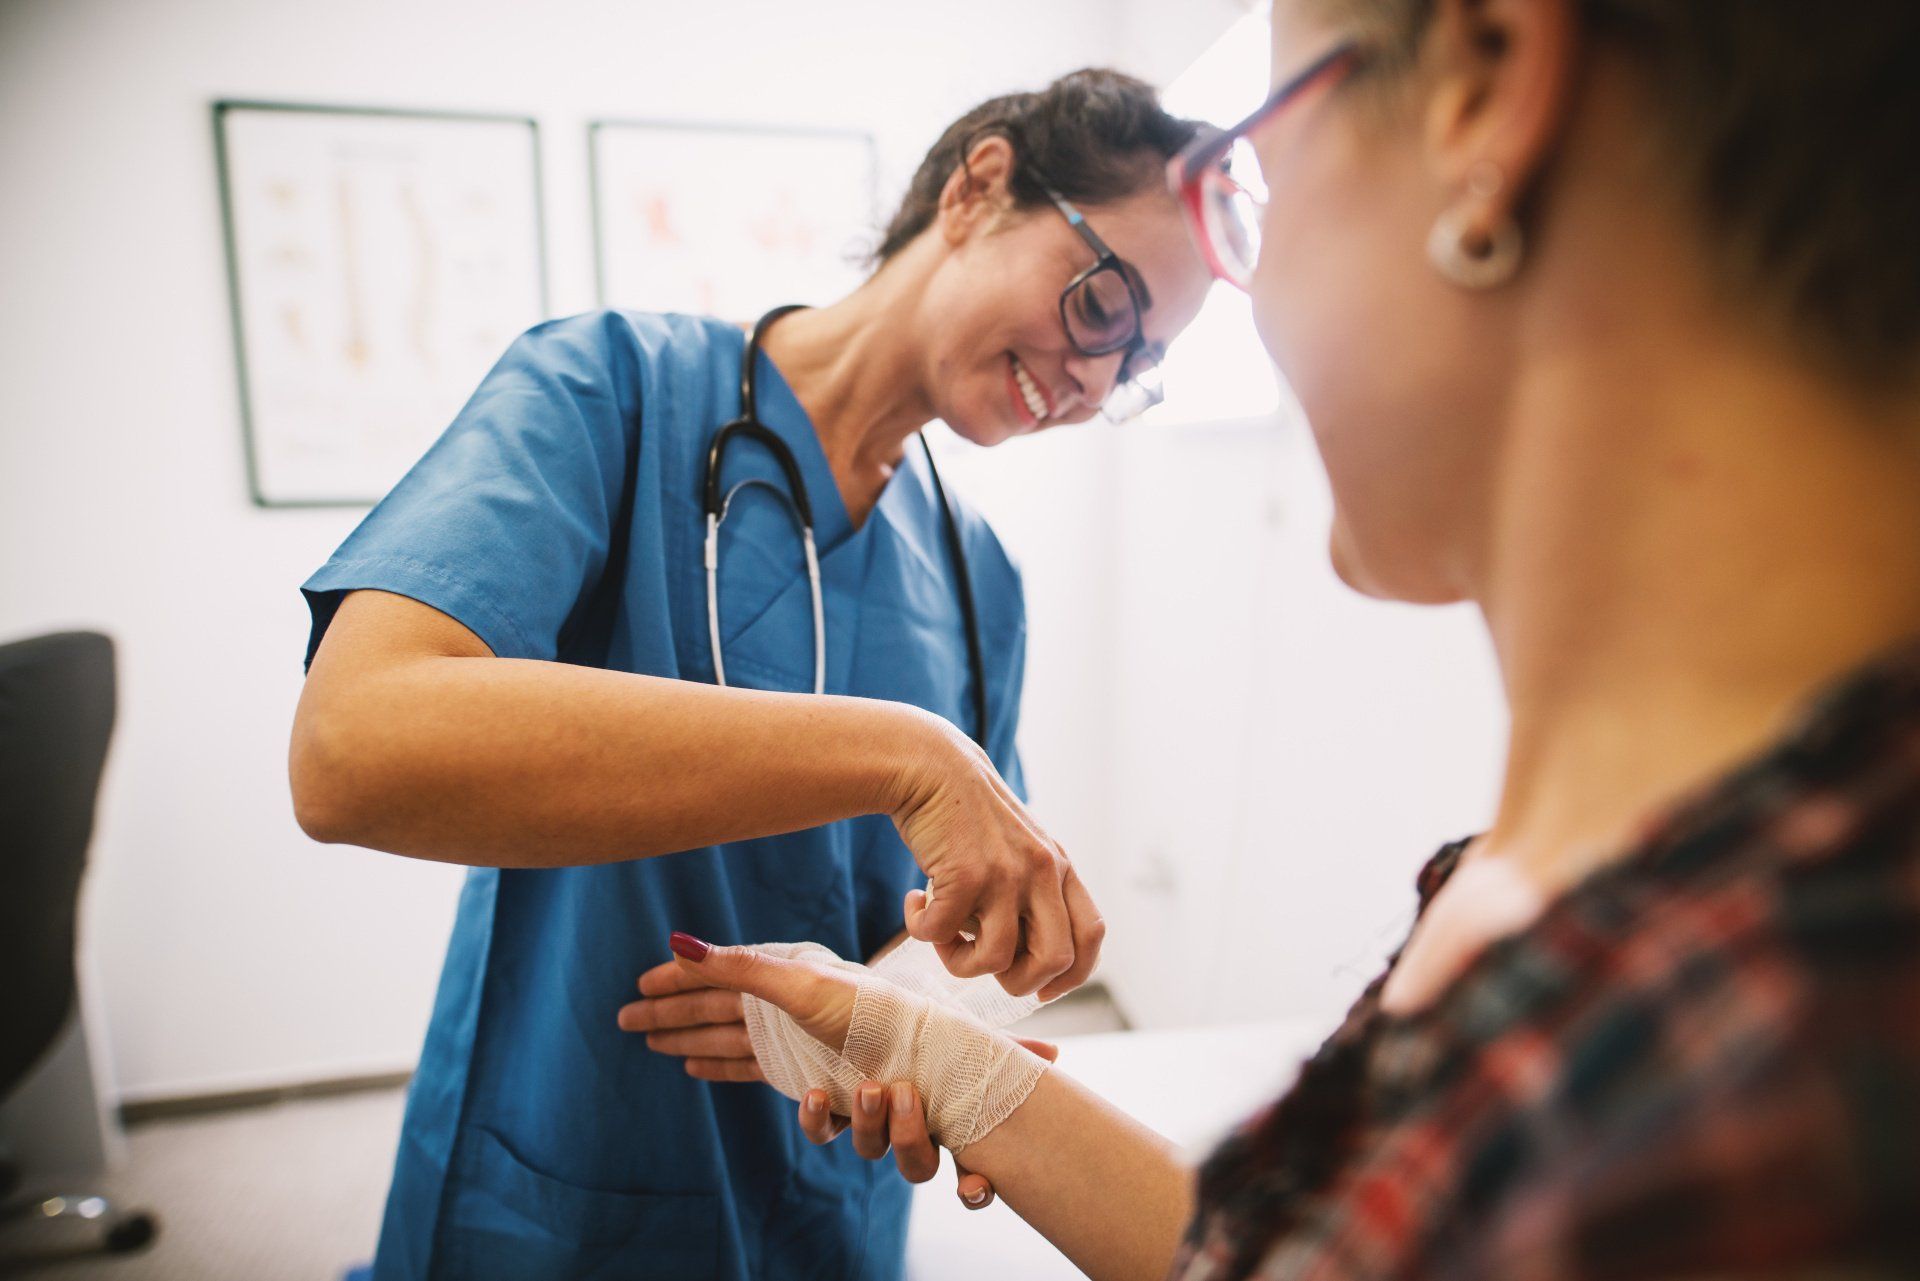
[
  {"x": 725, "y": 221},
  {"x": 380, "y": 262}
]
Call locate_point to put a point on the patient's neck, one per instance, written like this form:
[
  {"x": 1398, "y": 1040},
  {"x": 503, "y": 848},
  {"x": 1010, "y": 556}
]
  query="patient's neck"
[{"x": 1694, "y": 537}]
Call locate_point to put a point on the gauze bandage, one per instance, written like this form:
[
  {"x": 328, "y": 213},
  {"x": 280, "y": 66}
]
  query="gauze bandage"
[{"x": 912, "y": 1021}]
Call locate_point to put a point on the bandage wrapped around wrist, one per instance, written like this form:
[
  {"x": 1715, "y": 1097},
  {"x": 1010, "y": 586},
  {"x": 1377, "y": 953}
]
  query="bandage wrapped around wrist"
[{"x": 912, "y": 1021}]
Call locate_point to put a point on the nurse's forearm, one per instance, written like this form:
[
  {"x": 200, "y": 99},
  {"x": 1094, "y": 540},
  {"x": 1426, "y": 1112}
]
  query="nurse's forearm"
[
  {"x": 511, "y": 763},
  {"x": 1108, "y": 1192}
]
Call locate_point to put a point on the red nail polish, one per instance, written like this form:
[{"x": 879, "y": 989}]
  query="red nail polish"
[{"x": 688, "y": 946}]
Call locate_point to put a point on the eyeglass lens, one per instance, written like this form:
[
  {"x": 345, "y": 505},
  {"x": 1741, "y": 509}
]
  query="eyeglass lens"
[
  {"x": 1100, "y": 314},
  {"x": 1235, "y": 199}
]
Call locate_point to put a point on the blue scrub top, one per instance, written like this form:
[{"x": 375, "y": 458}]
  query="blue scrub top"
[{"x": 540, "y": 1141}]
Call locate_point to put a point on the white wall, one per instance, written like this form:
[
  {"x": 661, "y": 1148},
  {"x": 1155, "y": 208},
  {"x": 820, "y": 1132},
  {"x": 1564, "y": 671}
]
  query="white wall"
[
  {"x": 1288, "y": 753},
  {"x": 231, "y": 949},
  {"x": 1159, "y": 40}
]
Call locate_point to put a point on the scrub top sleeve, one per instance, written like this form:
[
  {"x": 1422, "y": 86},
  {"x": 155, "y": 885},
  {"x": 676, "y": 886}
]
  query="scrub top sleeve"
[{"x": 505, "y": 523}]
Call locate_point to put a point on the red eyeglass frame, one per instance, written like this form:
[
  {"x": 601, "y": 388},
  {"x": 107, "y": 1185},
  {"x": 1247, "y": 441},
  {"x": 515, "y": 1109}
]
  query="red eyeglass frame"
[{"x": 1203, "y": 159}]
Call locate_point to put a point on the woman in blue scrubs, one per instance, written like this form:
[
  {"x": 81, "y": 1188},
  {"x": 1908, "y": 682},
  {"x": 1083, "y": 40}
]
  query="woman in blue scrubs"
[{"x": 510, "y": 668}]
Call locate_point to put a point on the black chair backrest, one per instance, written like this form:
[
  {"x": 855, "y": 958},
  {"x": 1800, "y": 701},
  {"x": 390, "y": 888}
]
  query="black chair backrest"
[{"x": 56, "y": 715}]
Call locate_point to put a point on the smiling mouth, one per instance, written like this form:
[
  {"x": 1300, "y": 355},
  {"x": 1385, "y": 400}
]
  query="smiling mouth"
[{"x": 1030, "y": 397}]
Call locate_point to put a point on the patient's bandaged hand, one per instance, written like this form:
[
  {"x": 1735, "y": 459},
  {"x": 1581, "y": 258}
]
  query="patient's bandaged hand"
[{"x": 912, "y": 1021}]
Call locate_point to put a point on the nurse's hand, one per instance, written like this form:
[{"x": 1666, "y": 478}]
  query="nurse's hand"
[{"x": 993, "y": 872}]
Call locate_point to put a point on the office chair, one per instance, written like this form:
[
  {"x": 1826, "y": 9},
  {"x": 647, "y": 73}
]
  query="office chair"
[{"x": 56, "y": 715}]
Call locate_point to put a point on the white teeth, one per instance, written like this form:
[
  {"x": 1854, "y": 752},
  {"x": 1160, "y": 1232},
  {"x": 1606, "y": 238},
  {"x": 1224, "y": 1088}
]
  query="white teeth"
[{"x": 1029, "y": 391}]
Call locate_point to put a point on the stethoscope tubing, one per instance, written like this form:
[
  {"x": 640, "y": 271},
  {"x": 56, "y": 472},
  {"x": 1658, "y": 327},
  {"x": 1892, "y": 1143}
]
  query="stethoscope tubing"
[
  {"x": 715, "y": 504},
  {"x": 711, "y": 556}
]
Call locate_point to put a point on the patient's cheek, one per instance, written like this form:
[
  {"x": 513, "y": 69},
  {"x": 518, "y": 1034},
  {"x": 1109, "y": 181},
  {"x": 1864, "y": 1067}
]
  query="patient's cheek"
[{"x": 1484, "y": 900}]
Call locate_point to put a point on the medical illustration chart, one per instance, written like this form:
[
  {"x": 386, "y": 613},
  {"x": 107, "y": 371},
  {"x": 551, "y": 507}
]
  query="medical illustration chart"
[
  {"x": 727, "y": 222},
  {"x": 381, "y": 262}
]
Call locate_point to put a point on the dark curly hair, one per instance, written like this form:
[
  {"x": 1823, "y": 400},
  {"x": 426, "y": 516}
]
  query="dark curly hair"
[{"x": 1096, "y": 135}]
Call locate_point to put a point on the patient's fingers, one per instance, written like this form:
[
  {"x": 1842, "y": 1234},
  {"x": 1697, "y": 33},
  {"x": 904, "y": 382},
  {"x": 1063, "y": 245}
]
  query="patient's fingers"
[
  {"x": 667, "y": 978},
  {"x": 913, "y": 1151},
  {"x": 687, "y": 1009},
  {"x": 730, "y": 1042},
  {"x": 819, "y": 1000},
  {"x": 725, "y": 1069},
  {"x": 870, "y": 1120}
]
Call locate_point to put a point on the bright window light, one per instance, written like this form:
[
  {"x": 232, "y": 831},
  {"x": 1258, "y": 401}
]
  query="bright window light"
[{"x": 1218, "y": 371}]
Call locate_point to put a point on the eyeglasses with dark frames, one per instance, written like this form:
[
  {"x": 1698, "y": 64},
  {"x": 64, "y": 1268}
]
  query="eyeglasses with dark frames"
[{"x": 1100, "y": 309}]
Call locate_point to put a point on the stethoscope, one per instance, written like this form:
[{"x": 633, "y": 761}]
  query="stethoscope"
[{"x": 716, "y": 505}]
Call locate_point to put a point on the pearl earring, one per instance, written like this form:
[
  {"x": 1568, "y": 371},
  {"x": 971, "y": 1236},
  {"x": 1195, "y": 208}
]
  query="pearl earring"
[{"x": 1476, "y": 257}]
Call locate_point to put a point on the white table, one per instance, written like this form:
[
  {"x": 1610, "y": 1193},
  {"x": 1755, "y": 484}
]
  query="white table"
[{"x": 1190, "y": 1084}]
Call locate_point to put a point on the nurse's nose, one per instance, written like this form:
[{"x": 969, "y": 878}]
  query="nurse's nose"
[{"x": 1093, "y": 378}]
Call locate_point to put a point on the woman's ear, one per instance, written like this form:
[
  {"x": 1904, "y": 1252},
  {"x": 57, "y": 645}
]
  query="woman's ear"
[
  {"x": 1503, "y": 77},
  {"x": 978, "y": 191}
]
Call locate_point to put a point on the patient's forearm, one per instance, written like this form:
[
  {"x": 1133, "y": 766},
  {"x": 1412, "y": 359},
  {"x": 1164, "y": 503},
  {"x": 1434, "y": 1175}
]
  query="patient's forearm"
[{"x": 1110, "y": 1194}]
